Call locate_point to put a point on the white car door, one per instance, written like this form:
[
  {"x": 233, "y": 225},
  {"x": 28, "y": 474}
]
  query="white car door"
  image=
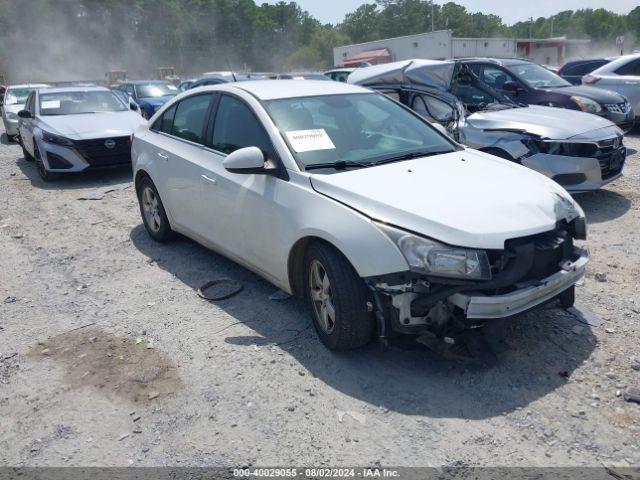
[
  {"x": 242, "y": 210},
  {"x": 180, "y": 157},
  {"x": 26, "y": 125}
]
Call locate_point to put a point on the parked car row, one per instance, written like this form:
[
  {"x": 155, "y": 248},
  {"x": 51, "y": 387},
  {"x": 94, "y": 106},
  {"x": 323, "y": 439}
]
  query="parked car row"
[{"x": 418, "y": 199}]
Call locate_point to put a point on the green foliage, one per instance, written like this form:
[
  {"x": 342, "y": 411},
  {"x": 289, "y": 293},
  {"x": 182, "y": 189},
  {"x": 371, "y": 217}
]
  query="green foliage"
[{"x": 84, "y": 38}]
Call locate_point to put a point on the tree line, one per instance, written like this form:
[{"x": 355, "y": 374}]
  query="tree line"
[{"x": 61, "y": 39}]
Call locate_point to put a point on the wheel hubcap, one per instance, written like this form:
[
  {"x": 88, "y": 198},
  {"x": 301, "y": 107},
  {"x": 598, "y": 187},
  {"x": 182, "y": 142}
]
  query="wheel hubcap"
[
  {"x": 151, "y": 209},
  {"x": 322, "y": 296}
]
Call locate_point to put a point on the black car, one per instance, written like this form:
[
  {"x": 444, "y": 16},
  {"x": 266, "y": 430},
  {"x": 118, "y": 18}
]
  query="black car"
[
  {"x": 529, "y": 83},
  {"x": 574, "y": 70}
]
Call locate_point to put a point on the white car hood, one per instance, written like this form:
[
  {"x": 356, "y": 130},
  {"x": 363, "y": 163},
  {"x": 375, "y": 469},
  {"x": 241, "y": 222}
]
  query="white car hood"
[
  {"x": 465, "y": 198},
  {"x": 93, "y": 125},
  {"x": 547, "y": 122}
]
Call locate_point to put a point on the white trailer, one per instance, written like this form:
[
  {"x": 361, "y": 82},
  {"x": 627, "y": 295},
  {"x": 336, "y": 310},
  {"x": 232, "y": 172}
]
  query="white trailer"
[{"x": 436, "y": 45}]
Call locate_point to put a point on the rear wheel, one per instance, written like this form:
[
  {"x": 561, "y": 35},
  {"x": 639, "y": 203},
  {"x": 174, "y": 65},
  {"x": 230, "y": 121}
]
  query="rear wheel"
[
  {"x": 153, "y": 214},
  {"x": 338, "y": 299},
  {"x": 45, "y": 174}
]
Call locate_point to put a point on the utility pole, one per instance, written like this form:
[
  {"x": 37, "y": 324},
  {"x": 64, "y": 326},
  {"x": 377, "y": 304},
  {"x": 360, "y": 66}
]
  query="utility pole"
[{"x": 551, "y": 34}]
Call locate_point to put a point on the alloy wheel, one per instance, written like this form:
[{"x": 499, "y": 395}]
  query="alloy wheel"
[
  {"x": 151, "y": 208},
  {"x": 322, "y": 296}
]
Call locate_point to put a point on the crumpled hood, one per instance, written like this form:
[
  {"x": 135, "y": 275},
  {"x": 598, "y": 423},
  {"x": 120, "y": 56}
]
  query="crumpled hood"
[
  {"x": 546, "y": 122},
  {"x": 466, "y": 198},
  {"x": 93, "y": 125}
]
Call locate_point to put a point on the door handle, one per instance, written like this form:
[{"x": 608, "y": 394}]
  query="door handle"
[
  {"x": 209, "y": 179},
  {"x": 163, "y": 156}
]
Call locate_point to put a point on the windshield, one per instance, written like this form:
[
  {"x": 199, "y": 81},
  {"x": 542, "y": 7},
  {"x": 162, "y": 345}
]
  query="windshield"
[
  {"x": 362, "y": 128},
  {"x": 17, "y": 96},
  {"x": 70, "y": 103},
  {"x": 156, "y": 90},
  {"x": 537, "y": 76}
]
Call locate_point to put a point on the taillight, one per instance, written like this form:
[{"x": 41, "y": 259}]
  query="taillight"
[{"x": 590, "y": 79}]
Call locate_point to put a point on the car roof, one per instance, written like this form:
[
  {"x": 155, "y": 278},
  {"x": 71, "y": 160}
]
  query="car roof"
[
  {"x": 277, "y": 89},
  {"x": 148, "y": 82},
  {"x": 589, "y": 60},
  {"x": 28, "y": 85},
  {"x": 618, "y": 62},
  {"x": 73, "y": 89},
  {"x": 498, "y": 61}
]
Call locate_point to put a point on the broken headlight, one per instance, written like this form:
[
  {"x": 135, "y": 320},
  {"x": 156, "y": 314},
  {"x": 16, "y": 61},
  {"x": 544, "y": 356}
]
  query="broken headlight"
[
  {"x": 586, "y": 104},
  {"x": 434, "y": 258}
]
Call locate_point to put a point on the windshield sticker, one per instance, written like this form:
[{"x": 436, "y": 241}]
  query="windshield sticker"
[
  {"x": 310, "y": 140},
  {"x": 50, "y": 104}
]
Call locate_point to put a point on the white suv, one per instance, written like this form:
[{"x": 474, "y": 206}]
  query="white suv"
[{"x": 343, "y": 196}]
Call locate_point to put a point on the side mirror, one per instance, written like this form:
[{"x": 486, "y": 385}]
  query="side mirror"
[
  {"x": 512, "y": 87},
  {"x": 24, "y": 114},
  {"x": 245, "y": 160}
]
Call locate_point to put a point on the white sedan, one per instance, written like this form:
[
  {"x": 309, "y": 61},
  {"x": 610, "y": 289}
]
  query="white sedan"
[
  {"x": 14, "y": 99},
  {"x": 73, "y": 129},
  {"x": 343, "y": 196}
]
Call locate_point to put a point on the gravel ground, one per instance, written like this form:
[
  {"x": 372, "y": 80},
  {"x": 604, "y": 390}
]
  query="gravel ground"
[{"x": 109, "y": 358}]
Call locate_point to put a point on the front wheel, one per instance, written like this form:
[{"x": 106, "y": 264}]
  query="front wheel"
[
  {"x": 568, "y": 297},
  {"x": 27, "y": 156},
  {"x": 45, "y": 174},
  {"x": 338, "y": 299}
]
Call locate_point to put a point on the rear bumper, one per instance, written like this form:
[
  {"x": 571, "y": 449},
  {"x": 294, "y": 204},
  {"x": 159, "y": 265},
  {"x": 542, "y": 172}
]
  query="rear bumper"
[
  {"x": 477, "y": 305},
  {"x": 10, "y": 126}
]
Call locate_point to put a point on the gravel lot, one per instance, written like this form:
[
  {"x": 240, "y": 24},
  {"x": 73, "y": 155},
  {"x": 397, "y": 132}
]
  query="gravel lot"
[{"x": 100, "y": 326}]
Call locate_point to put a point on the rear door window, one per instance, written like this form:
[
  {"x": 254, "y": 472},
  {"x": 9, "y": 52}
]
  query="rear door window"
[
  {"x": 632, "y": 68},
  {"x": 431, "y": 108},
  {"x": 189, "y": 118}
]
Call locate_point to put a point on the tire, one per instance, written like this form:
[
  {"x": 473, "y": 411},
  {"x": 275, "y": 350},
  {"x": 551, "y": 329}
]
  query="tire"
[
  {"x": 45, "y": 174},
  {"x": 27, "y": 156},
  {"x": 352, "y": 326},
  {"x": 568, "y": 297},
  {"x": 152, "y": 211}
]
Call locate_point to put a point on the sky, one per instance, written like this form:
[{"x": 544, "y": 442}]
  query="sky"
[{"x": 511, "y": 11}]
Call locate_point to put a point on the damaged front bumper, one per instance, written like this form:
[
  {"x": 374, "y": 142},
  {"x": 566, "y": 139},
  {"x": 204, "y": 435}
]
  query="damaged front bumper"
[
  {"x": 477, "y": 305},
  {"x": 579, "y": 174}
]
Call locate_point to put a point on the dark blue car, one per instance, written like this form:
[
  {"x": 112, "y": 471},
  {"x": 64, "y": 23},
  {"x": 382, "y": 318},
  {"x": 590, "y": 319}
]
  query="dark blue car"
[
  {"x": 150, "y": 94},
  {"x": 574, "y": 70}
]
